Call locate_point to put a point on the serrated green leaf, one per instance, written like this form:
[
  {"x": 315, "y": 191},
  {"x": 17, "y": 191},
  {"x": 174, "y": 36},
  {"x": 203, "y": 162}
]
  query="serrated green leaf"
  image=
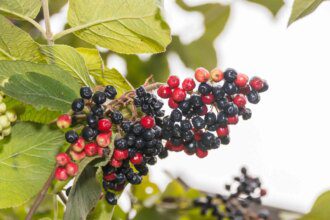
[
  {"x": 92, "y": 59},
  {"x": 9, "y": 68},
  {"x": 122, "y": 26},
  {"x": 40, "y": 91},
  {"x": 26, "y": 161},
  {"x": 15, "y": 44},
  {"x": 70, "y": 60},
  {"x": 85, "y": 192},
  {"x": 272, "y": 5},
  {"x": 302, "y": 8},
  {"x": 29, "y": 113},
  {"x": 320, "y": 209},
  {"x": 28, "y": 8}
]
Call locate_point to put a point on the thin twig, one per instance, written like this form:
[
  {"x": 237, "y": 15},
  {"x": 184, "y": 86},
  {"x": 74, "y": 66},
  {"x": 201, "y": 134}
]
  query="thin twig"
[{"x": 49, "y": 34}]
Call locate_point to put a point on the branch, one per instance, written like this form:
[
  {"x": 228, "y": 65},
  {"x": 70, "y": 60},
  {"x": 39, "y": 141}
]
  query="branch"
[{"x": 49, "y": 34}]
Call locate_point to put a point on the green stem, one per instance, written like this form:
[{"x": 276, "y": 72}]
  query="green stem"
[{"x": 49, "y": 34}]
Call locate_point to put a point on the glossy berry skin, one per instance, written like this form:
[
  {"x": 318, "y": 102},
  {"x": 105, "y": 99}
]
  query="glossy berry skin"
[
  {"x": 198, "y": 122},
  {"x": 71, "y": 136},
  {"x": 217, "y": 75},
  {"x": 246, "y": 114},
  {"x": 109, "y": 176},
  {"x": 233, "y": 120},
  {"x": 134, "y": 178},
  {"x": 121, "y": 144},
  {"x": 218, "y": 92},
  {"x": 71, "y": 169},
  {"x": 241, "y": 80},
  {"x": 97, "y": 110},
  {"x": 256, "y": 83},
  {"x": 147, "y": 122},
  {"x": 172, "y": 104},
  {"x": 201, "y": 153},
  {"x": 77, "y": 156},
  {"x": 222, "y": 118},
  {"x": 231, "y": 109},
  {"x": 253, "y": 97},
  {"x": 223, "y": 131},
  {"x": 203, "y": 110},
  {"x": 230, "y": 75},
  {"x": 91, "y": 149},
  {"x": 265, "y": 88},
  {"x": 104, "y": 125},
  {"x": 111, "y": 198},
  {"x": 164, "y": 92},
  {"x": 62, "y": 159},
  {"x": 60, "y": 174},
  {"x": 225, "y": 140},
  {"x": 204, "y": 88},
  {"x": 88, "y": 133},
  {"x": 188, "y": 84},
  {"x": 78, "y": 105},
  {"x": 64, "y": 121},
  {"x": 103, "y": 140},
  {"x": 240, "y": 101},
  {"x": 208, "y": 99},
  {"x": 141, "y": 92},
  {"x": 176, "y": 115},
  {"x": 116, "y": 163},
  {"x": 179, "y": 95},
  {"x": 173, "y": 82},
  {"x": 202, "y": 74},
  {"x": 120, "y": 154},
  {"x": 79, "y": 145},
  {"x": 86, "y": 92},
  {"x": 230, "y": 88},
  {"x": 210, "y": 118},
  {"x": 117, "y": 117},
  {"x": 92, "y": 120},
  {"x": 110, "y": 92},
  {"x": 99, "y": 98},
  {"x": 137, "y": 159}
]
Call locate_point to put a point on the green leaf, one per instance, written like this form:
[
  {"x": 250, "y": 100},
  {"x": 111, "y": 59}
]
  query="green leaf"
[
  {"x": 9, "y": 68},
  {"x": 28, "y": 8},
  {"x": 122, "y": 26},
  {"x": 272, "y": 5},
  {"x": 145, "y": 190},
  {"x": 302, "y": 8},
  {"x": 40, "y": 91},
  {"x": 174, "y": 190},
  {"x": 92, "y": 59},
  {"x": 103, "y": 211},
  {"x": 114, "y": 78},
  {"x": 29, "y": 113},
  {"x": 320, "y": 209},
  {"x": 16, "y": 44},
  {"x": 26, "y": 161},
  {"x": 85, "y": 192},
  {"x": 70, "y": 60},
  {"x": 153, "y": 213}
]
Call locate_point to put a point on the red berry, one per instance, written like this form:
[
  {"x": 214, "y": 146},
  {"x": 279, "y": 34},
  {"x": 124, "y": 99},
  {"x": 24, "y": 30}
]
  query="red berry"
[
  {"x": 245, "y": 90},
  {"x": 79, "y": 145},
  {"x": 204, "y": 110},
  {"x": 179, "y": 95},
  {"x": 223, "y": 131},
  {"x": 147, "y": 122},
  {"x": 173, "y": 81},
  {"x": 240, "y": 101},
  {"x": 60, "y": 174},
  {"x": 172, "y": 104},
  {"x": 169, "y": 145},
  {"x": 62, "y": 159},
  {"x": 202, "y": 75},
  {"x": 103, "y": 140},
  {"x": 116, "y": 163},
  {"x": 208, "y": 99},
  {"x": 200, "y": 153},
  {"x": 241, "y": 80},
  {"x": 256, "y": 83},
  {"x": 91, "y": 149},
  {"x": 233, "y": 120},
  {"x": 188, "y": 84},
  {"x": 102, "y": 151},
  {"x": 104, "y": 125},
  {"x": 64, "y": 121},
  {"x": 77, "y": 156},
  {"x": 110, "y": 177},
  {"x": 164, "y": 92},
  {"x": 71, "y": 169},
  {"x": 177, "y": 148},
  {"x": 263, "y": 192},
  {"x": 217, "y": 75},
  {"x": 120, "y": 154},
  {"x": 137, "y": 159},
  {"x": 198, "y": 136}
]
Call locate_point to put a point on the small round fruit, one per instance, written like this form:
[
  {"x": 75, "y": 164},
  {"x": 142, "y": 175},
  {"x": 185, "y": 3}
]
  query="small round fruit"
[
  {"x": 88, "y": 133},
  {"x": 173, "y": 81},
  {"x": 91, "y": 149},
  {"x": 99, "y": 98},
  {"x": 120, "y": 154},
  {"x": 104, "y": 125},
  {"x": 217, "y": 75},
  {"x": 86, "y": 92},
  {"x": 62, "y": 159},
  {"x": 64, "y": 121},
  {"x": 164, "y": 92},
  {"x": 179, "y": 95},
  {"x": 202, "y": 74},
  {"x": 11, "y": 115},
  {"x": 110, "y": 92},
  {"x": 201, "y": 153},
  {"x": 147, "y": 122},
  {"x": 241, "y": 80},
  {"x": 117, "y": 117},
  {"x": 4, "y": 122},
  {"x": 137, "y": 159},
  {"x": 60, "y": 174},
  {"x": 79, "y": 145},
  {"x": 230, "y": 75},
  {"x": 110, "y": 176},
  {"x": 233, "y": 120},
  {"x": 103, "y": 140},
  {"x": 70, "y": 136},
  {"x": 77, "y": 156},
  {"x": 223, "y": 131},
  {"x": 256, "y": 83},
  {"x": 102, "y": 152},
  {"x": 240, "y": 101},
  {"x": 111, "y": 198},
  {"x": 6, "y": 131},
  {"x": 116, "y": 163},
  {"x": 253, "y": 97},
  {"x": 208, "y": 99},
  {"x": 3, "y": 108},
  {"x": 188, "y": 84},
  {"x": 172, "y": 104},
  {"x": 92, "y": 121},
  {"x": 71, "y": 169},
  {"x": 78, "y": 105}
]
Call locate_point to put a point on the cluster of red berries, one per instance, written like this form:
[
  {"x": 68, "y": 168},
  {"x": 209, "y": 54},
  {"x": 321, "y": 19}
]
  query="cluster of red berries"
[
  {"x": 245, "y": 191},
  {"x": 220, "y": 99}
]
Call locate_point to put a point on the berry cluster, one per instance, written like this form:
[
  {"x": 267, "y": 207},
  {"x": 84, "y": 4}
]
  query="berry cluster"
[
  {"x": 245, "y": 190},
  {"x": 219, "y": 100},
  {"x": 95, "y": 132},
  {"x": 139, "y": 146},
  {"x": 6, "y": 118}
]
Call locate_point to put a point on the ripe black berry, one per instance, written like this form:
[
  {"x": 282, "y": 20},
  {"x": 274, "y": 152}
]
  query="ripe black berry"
[
  {"x": 126, "y": 126},
  {"x": 110, "y": 92},
  {"x": 88, "y": 133},
  {"x": 97, "y": 110},
  {"x": 121, "y": 144},
  {"x": 78, "y": 105},
  {"x": 210, "y": 118},
  {"x": 99, "y": 98},
  {"x": 163, "y": 153},
  {"x": 225, "y": 140},
  {"x": 117, "y": 117},
  {"x": 92, "y": 120},
  {"x": 71, "y": 136},
  {"x": 148, "y": 134},
  {"x": 196, "y": 101},
  {"x": 231, "y": 109},
  {"x": 218, "y": 92},
  {"x": 198, "y": 122},
  {"x": 185, "y": 125},
  {"x": 111, "y": 198},
  {"x": 141, "y": 92},
  {"x": 134, "y": 178},
  {"x": 246, "y": 114},
  {"x": 86, "y": 92},
  {"x": 176, "y": 115},
  {"x": 230, "y": 75},
  {"x": 221, "y": 103},
  {"x": 230, "y": 88},
  {"x": 185, "y": 106},
  {"x": 204, "y": 88},
  {"x": 253, "y": 97},
  {"x": 188, "y": 136},
  {"x": 222, "y": 118}
]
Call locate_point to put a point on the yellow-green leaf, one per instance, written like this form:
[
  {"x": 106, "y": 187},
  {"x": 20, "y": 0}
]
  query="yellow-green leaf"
[
  {"x": 26, "y": 161},
  {"x": 302, "y": 8},
  {"x": 15, "y": 44},
  {"x": 92, "y": 59},
  {"x": 131, "y": 26},
  {"x": 320, "y": 209},
  {"x": 28, "y": 8},
  {"x": 272, "y": 5}
]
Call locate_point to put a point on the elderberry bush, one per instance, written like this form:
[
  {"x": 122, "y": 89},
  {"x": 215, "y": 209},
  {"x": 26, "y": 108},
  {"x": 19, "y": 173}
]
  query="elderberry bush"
[{"x": 241, "y": 195}]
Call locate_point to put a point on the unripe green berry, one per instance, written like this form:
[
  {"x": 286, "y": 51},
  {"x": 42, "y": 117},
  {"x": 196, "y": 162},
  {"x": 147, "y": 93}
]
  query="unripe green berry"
[
  {"x": 3, "y": 108},
  {"x": 4, "y": 122},
  {"x": 6, "y": 131},
  {"x": 11, "y": 115}
]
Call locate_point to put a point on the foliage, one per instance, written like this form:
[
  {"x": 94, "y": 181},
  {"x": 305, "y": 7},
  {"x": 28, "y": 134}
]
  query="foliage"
[
  {"x": 302, "y": 8},
  {"x": 320, "y": 209}
]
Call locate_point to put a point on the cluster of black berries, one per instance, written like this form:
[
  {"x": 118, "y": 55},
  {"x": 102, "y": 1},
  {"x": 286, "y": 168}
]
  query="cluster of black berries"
[
  {"x": 245, "y": 191},
  {"x": 198, "y": 114},
  {"x": 139, "y": 145}
]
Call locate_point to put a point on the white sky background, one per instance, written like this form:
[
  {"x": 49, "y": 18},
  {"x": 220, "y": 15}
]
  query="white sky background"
[{"x": 286, "y": 141}]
